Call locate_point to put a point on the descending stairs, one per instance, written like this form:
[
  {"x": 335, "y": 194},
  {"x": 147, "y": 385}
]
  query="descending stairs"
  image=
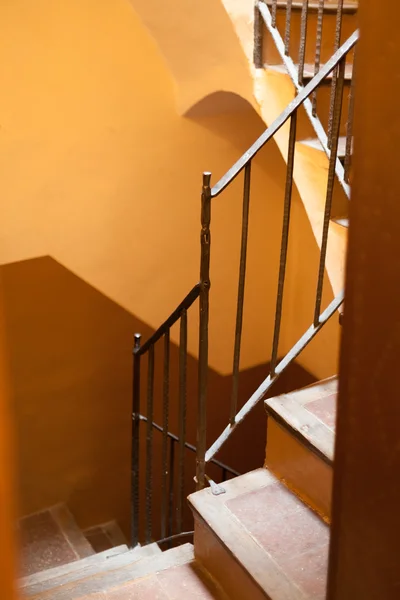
[{"x": 263, "y": 535}]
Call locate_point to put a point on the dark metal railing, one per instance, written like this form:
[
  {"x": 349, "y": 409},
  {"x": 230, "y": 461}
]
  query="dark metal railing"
[
  {"x": 321, "y": 317},
  {"x": 168, "y": 523},
  {"x": 294, "y": 59}
]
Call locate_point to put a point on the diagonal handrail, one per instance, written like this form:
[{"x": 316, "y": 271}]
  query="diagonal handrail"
[{"x": 269, "y": 133}]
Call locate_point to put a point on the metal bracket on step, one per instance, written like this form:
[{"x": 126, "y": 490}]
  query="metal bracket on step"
[{"x": 216, "y": 489}]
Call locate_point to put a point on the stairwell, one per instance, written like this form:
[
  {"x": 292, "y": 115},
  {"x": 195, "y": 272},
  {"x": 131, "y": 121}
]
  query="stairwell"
[{"x": 264, "y": 534}]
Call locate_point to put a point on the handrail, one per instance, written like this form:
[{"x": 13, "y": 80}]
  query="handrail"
[
  {"x": 192, "y": 448},
  {"x": 284, "y": 116},
  {"x": 168, "y": 323}
]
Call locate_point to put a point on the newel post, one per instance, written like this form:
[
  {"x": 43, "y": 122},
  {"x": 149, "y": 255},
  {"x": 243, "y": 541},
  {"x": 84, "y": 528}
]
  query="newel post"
[{"x": 205, "y": 239}]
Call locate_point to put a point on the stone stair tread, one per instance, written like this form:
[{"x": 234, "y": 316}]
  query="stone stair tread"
[
  {"x": 187, "y": 581},
  {"x": 350, "y": 8},
  {"x": 309, "y": 414},
  {"x": 50, "y": 538},
  {"x": 316, "y": 144},
  {"x": 309, "y": 72},
  {"x": 77, "y": 565},
  {"x": 105, "y": 536},
  {"x": 275, "y": 539},
  {"x": 118, "y": 572}
]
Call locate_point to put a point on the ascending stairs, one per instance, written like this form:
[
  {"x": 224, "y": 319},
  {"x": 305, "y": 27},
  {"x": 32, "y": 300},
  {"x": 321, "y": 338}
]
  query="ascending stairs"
[{"x": 261, "y": 536}]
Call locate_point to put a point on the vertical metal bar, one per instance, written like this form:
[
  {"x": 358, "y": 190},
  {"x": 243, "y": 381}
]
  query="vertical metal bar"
[
  {"x": 338, "y": 35},
  {"x": 273, "y": 12},
  {"x": 164, "y": 459},
  {"x": 285, "y": 240},
  {"x": 240, "y": 297},
  {"x": 350, "y": 121},
  {"x": 288, "y": 26},
  {"x": 317, "y": 63},
  {"x": 258, "y": 37},
  {"x": 303, "y": 41},
  {"x": 171, "y": 487},
  {"x": 149, "y": 446},
  {"x": 337, "y": 113},
  {"x": 205, "y": 241},
  {"x": 135, "y": 443},
  {"x": 182, "y": 417}
]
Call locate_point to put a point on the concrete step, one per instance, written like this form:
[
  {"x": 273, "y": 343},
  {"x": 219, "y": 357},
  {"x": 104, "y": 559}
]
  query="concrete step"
[
  {"x": 34, "y": 582},
  {"x": 88, "y": 571},
  {"x": 349, "y": 8},
  {"x": 301, "y": 439},
  {"x": 118, "y": 572},
  {"x": 49, "y": 539},
  {"x": 105, "y": 536},
  {"x": 181, "y": 582},
  {"x": 259, "y": 541}
]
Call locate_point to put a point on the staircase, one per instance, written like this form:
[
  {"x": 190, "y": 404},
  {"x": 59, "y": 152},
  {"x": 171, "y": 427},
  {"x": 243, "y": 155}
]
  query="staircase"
[{"x": 264, "y": 534}]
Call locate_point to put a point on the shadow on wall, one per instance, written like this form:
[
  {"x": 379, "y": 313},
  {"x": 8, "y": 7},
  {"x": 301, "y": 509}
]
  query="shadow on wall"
[{"x": 71, "y": 366}]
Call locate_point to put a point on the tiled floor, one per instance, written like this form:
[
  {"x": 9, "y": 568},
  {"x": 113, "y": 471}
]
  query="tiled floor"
[
  {"x": 295, "y": 538},
  {"x": 42, "y": 544}
]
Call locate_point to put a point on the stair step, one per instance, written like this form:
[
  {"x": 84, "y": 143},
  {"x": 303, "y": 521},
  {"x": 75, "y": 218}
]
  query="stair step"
[
  {"x": 349, "y": 8},
  {"x": 119, "y": 571},
  {"x": 88, "y": 571},
  {"x": 309, "y": 72},
  {"x": 183, "y": 582},
  {"x": 49, "y": 539},
  {"x": 301, "y": 440},
  {"x": 105, "y": 536},
  {"x": 37, "y": 578},
  {"x": 259, "y": 541},
  {"x": 316, "y": 144}
]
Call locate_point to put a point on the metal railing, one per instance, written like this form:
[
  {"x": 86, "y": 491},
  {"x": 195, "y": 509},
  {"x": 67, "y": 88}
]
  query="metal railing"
[
  {"x": 172, "y": 492},
  {"x": 294, "y": 60},
  {"x": 167, "y": 527}
]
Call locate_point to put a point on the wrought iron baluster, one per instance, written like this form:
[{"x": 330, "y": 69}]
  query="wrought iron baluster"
[
  {"x": 350, "y": 121},
  {"x": 149, "y": 446},
  {"x": 205, "y": 241},
  {"x": 164, "y": 486},
  {"x": 338, "y": 35},
  {"x": 171, "y": 488},
  {"x": 258, "y": 38},
  {"x": 182, "y": 417},
  {"x": 288, "y": 26},
  {"x": 273, "y": 12},
  {"x": 135, "y": 501},
  {"x": 317, "y": 63},
  {"x": 285, "y": 240},
  {"x": 303, "y": 41},
  {"x": 337, "y": 113},
  {"x": 241, "y": 288}
]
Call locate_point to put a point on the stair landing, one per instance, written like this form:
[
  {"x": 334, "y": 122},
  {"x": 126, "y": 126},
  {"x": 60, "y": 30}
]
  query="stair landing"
[{"x": 260, "y": 541}]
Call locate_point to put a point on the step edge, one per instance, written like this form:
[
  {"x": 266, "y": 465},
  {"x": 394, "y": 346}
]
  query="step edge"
[
  {"x": 317, "y": 445},
  {"x": 36, "y": 578},
  {"x": 267, "y": 580},
  {"x": 144, "y": 568},
  {"x": 348, "y": 9},
  {"x": 119, "y": 561}
]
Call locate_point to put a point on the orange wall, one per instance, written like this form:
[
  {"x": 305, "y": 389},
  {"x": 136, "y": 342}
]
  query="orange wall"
[
  {"x": 101, "y": 173},
  {"x": 7, "y": 497}
]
